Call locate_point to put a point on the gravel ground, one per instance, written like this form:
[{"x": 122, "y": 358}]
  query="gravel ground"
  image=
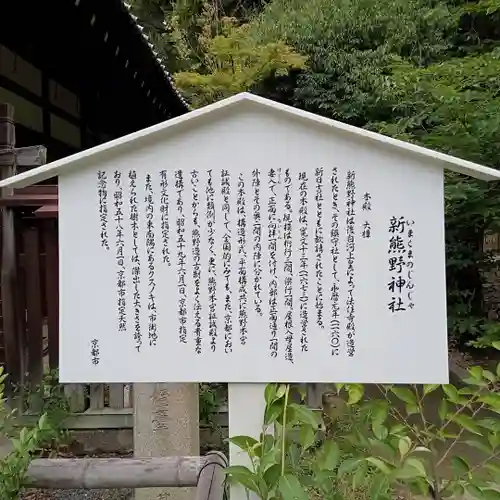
[{"x": 121, "y": 494}]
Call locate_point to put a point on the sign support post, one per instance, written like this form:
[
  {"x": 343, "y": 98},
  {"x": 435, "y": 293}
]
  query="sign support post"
[{"x": 246, "y": 405}]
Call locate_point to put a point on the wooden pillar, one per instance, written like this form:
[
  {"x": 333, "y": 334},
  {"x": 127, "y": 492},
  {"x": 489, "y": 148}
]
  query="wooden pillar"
[{"x": 11, "y": 337}]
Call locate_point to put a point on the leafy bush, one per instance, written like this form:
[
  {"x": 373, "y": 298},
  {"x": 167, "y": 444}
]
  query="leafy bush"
[
  {"x": 391, "y": 443},
  {"x": 25, "y": 442}
]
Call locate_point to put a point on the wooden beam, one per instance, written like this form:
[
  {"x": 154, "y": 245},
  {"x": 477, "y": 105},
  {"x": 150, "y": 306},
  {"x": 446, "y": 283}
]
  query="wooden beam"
[
  {"x": 47, "y": 212},
  {"x": 37, "y": 189},
  {"x": 106, "y": 473},
  {"x": 31, "y": 156},
  {"x": 28, "y": 200}
]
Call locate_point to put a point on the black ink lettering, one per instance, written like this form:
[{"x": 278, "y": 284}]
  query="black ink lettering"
[
  {"x": 120, "y": 253},
  {"x": 318, "y": 246},
  {"x": 150, "y": 254},
  {"x": 195, "y": 239},
  {"x": 102, "y": 191},
  {"x": 136, "y": 263},
  {"x": 242, "y": 260},
  {"x": 181, "y": 257},
  {"x": 164, "y": 213},
  {"x": 212, "y": 280},
  {"x": 226, "y": 259},
  {"x": 272, "y": 236},
  {"x": 335, "y": 251},
  {"x": 351, "y": 248}
]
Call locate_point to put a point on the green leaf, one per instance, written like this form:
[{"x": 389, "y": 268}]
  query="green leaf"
[
  {"x": 489, "y": 375},
  {"x": 428, "y": 388},
  {"x": 244, "y": 476},
  {"x": 328, "y": 455},
  {"x": 476, "y": 372},
  {"x": 404, "y": 394},
  {"x": 273, "y": 412},
  {"x": 281, "y": 391},
  {"x": 355, "y": 392},
  {"x": 307, "y": 436},
  {"x": 379, "y": 412},
  {"x": 459, "y": 466},
  {"x": 243, "y": 442},
  {"x": 270, "y": 393},
  {"x": 412, "y": 409},
  {"x": 272, "y": 475},
  {"x": 491, "y": 494},
  {"x": 304, "y": 414},
  {"x": 397, "y": 429},
  {"x": 496, "y": 345},
  {"x": 443, "y": 409},
  {"x": 495, "y": 469},
  {"x": 479, "y": 445},
  {"x": 492, "y": 399},
  {"x": 467, "y": 423},
  {"x": 291, "y": 489},
  {"x": 404, "y": 445},
  {"x": 379, "y": 486},
  {"x": 379, "y": 464},
  {"x": 474, "y": 491},
  {"x": 360, "y": 476},
  {"x": 380, "y": 431},
  {"x": 348, "y": 466},
  {"x": 451, "y": 392},
  {"x": 339, "y": 387},
  {"x": 416, "y": 464},
  {"x": 491, "y": 424}
]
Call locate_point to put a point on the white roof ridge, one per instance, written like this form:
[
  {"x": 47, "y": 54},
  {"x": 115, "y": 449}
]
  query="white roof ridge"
[{"x": 81, "y": 158}]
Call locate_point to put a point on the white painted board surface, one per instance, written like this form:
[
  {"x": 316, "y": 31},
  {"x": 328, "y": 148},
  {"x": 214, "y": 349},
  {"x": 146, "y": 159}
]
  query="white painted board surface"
[{"x": 297, "y": 295}]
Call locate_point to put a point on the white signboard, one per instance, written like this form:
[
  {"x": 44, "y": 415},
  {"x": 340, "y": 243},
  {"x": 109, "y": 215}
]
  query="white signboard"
[{"x": 253, "y": 249}]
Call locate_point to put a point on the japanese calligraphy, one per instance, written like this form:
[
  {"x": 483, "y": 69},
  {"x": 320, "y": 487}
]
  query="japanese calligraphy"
[
  {"x": 272, "y": 236},
  {"x": 195, "y": 241},
  {"x": 121, "y": 282},
  {"x": 102, "y": 191},
  {"x": 135, "y": 259},
  {"x": 226, "y": 259},
  {"x": 242, "y": 260},
  {"x": 150, "y": 254},
  {"x": 257, "y": 242},
  {"x": 401, "y": 264},
  {"x": 350, "y": 249},
  {"x": 212, "y": 281},
  {"x": 181, "y": 257},
  {"x": 288, "y": 266},
  {"x": 304, "y": 260},
  {"x": 94, "y": 352},
  {"x": 335, "y": 252},
  {"x": 164, "y": 214},
  {"x": 319, "y": 246}
]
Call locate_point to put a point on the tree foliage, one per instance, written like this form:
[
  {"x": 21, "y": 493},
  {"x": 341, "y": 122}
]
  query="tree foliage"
[{"x": 425, "y": 71}]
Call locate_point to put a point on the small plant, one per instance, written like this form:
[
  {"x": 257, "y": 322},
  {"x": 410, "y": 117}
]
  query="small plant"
[
  {"x": 211, "y": 400},
  {"x": 28, "y": 442},
  {"x": 390, "y": 444}
]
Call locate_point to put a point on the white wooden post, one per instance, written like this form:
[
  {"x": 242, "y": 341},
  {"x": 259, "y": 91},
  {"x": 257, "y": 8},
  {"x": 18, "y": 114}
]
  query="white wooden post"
[{"x": 246, "y": 405}]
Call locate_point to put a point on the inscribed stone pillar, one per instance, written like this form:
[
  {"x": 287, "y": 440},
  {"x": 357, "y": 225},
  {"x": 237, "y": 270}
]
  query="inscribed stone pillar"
[{"x": 166, "y": 423}]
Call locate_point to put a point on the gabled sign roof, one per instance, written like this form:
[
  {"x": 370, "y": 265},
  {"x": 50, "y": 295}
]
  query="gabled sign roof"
[{"x": 227, "y": 106}]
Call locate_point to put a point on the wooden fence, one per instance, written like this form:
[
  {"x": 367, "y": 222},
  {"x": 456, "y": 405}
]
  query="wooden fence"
[{"x": 32, "y": 331}]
